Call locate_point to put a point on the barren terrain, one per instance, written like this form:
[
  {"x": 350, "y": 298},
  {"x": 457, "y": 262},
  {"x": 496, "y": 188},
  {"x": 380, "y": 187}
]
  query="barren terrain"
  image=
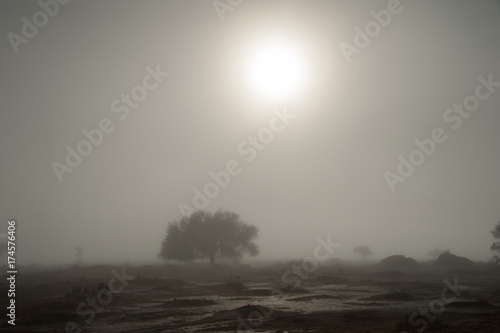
[{"x": 199, "y": 299}]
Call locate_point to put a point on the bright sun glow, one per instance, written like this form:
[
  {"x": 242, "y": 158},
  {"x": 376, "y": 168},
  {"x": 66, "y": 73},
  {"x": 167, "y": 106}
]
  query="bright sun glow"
[{"x": 276, "y": 71}]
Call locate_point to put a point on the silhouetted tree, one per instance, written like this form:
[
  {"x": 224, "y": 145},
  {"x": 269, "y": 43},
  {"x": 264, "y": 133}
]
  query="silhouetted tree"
[
  {"x": 204, "y": 235},
  {"x": 495, "y": 247},
  {"x": 364, "y": 251}
]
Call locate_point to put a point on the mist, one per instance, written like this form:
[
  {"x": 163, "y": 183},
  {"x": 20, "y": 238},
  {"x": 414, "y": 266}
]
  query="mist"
[{"x": 370, "y": 148}]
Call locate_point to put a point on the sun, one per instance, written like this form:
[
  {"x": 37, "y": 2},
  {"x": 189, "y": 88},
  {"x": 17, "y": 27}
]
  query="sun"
[{"x": 276, "y": 71}]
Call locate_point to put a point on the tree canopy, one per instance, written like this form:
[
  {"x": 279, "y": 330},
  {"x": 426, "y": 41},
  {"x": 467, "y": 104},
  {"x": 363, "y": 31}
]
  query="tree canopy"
[
  {"x": 495, "y": 247},
  {"x": 364, "y": 251},
  {"x": 204, "y": 235}
]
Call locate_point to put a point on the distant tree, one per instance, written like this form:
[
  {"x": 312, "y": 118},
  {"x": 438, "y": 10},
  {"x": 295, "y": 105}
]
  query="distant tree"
[
  {"x": 495, "y": 247},
  {"x": 436, "y": 252},
  {"x": 204, "y": 235},
  {"x": 364, "y": 251},
  {"x": 79, "y": 255},
  {"x": 177, "y": 244}
]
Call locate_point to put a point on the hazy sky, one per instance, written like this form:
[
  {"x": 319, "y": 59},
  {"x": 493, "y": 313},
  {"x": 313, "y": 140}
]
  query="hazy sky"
[{"x": 324, "y": 173}]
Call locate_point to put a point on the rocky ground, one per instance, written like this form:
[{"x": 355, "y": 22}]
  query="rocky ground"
[{"x": 176, "y": 299}]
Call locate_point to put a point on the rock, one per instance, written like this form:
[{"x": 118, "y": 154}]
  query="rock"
[
  {"x": 448, "y": 260},
  {"x": 398, "y": 262}
]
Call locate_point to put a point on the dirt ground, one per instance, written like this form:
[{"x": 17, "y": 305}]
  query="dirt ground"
[{"x": 170, "y": 298}]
